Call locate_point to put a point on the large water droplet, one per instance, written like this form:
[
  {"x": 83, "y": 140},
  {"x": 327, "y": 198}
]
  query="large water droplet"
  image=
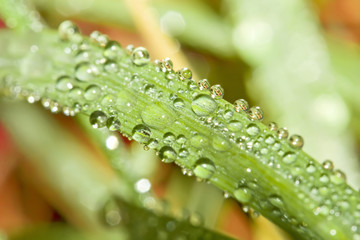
[
  {"x": 203, "y": 105},
  {"x": 252, "y": 129},
  {"x": 276, "y": 201},
  {"x": 183, "y": 153},
  {"x": 141, "y": 133},
  {"x": 255, "y": 113},
  {"x": 98, "y": 119},
  {"x": 204, "y": 168},
  {"x": 338, "y": 177},
  {"x": 243, "y": 194},
  {"x": 85, "y": 71},
  {"x": 167, "y": 154},
  {"x": 179, "y": 103},
  {"x": 92, "y": 92},
  {"x": 140, "y": 56},
  {"x": 64, "y": 83},
  {"x": 216, "y": 92},
  {"x": 241, "y": 105},
  {"x": 296, "y": 141},
  {"x": 158, "y": 115},
  {"x": 169, "y": 138}
]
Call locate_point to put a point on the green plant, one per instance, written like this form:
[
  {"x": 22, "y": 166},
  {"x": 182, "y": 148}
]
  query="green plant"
[{"x": 186, "y": 122}]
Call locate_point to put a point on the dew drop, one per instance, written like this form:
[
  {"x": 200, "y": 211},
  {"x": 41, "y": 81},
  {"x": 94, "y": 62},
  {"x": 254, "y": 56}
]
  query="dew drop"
[
  {"x": 252, "y": 129},
  {"x": 112, "y": 50},
  {"x": 185, "y": 73},
  {"x": 98, "y": 119},
  {"x": 220, "y": 143},
  {"x": 169, "y": 138},
  {"x": 310, "y": 168},
  {"x": 204, "y": 168},
  {"x": 92, "y": 92},
  {"x": 199, "y": 141},
  {"x": 276, "y": 201},
  {"x": 112, "y": 142},
  {"x": 338, "y": 177},
  {"x": 324, "y": 178},
  {"x": 64, "y": 83},
  {"x": 192, "y": 85},
  {"x": 270, "y": 140},
  {"x": 241, "y": 105},
  {"x": 99, "y": 38},
  {"x": 178, "y": 103},
  {"x": 282, "y": 133},
  {"x": 328, "y": 165},
  {"x": 243, "y": 194},
  {"x": 140, "y": 56},
  {"x": 54, "y": 107},
  {"x": 113, "y": 123},
  {"x": 228, "y": 114},
  {"x": 166, "y": 65},
  {"x": 167, "y": 154},
  {"x": 153, "y": 143},
  {"x": 234, "y": 126},
  {"x": 216, "y": 92},
  {"x": 255, "y": 113},
  {"x": 183, "y": 153},
  {"x": 296, "y": 141},
  {"x": 85, "y": 71},
  {"x": 141, "y": 133},
  {"x": 289, "y": 157},
  {"x": 181, "y": 139},
  {"x": 273, "y": 126},
  {"x": 203, "y": 105},
  {"x": 68, "y": 31},
  {"x": 108, "y": 100},
  {"x": 111, "y": 66},
  {"x": 158, "y": 115},
  {"x": 112, "y": 214},
  {"x": 204, "y": 84},
  {"x": 76, "y": 93}
]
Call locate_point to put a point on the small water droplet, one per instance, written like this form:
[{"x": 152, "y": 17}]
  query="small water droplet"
[
  {"x": 85, "y": 71},
  {"x": 234, "y": 126},
  {"x": 76, "y": 93},
  {"x": 324, "y": 178},
  {"x": 111, "y": 66},
  {"x": 328, "y": 165},
  {"x": 158, "y": 115},
  {"x": 199, "y": 141},
  {"x": 296, "y": 141},
  {"x": 169, "y": 138},
  {"x": 203, "y": 105},
  {"x": 255, "y": 113},
  {"x": 270, "y": 140},
  {"x": 99, "y": 38},
  {"x": 181, "y": 139},
  {"x": 64, "y": 83},
  {"x": 141, "y": 133},
  {"x": 108, "y": 100},
  {"x": 179, "y": 103},
  {"x": 183, "y": 153},
  {"x": 216, "y": 92},
  {"x": 166, "y": 65},
  {"x": 220, "y": 143},
  {"x": 92, "y": 92},
  {"x": 185, "y": 73},
  {"x": 282, "y": 133},
  {"x": 228, "y": 114},
  {"x": 204, "y": 84},
  {"x": 192, "y": 85},
  {"x": 113, "y": 123},
  {"x": 112, "y": 142},
  {"x": 276, "y": 201},
  {"x": 204, "y": 168},
  {"x": 241, "y": 105},
  {"x": 289, "y": 157},
  {"x": 167, "y": 154},
  {"x": 112, "y": 214},
  {"x": 310, "y": 168},
  {"x": 140, "y": 56},
  {"x": 252, "y": 129},
  {"x": 243, "y": 194},
  {"x": 68, "y": 31},
  {"x": 98, "y": 119},
  {"x": 338, "y": 177},
  {"x": 273, "y": 126},
  {"x": 153, "y": 143},
  {"x": 112, "y": 50},
  {"x": 54, "y": 107}
]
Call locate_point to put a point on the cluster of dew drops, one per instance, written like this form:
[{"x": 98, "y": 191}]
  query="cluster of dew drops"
[{"x": 204, "y": 105}]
